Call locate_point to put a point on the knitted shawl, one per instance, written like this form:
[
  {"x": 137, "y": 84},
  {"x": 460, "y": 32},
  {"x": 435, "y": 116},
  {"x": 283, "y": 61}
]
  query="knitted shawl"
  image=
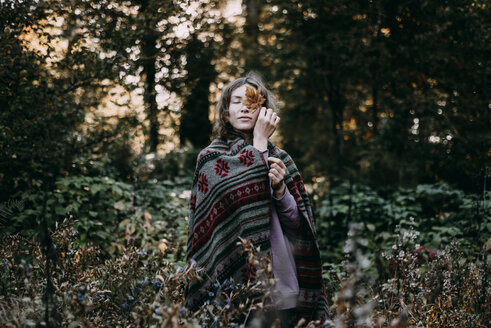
[{"x": 231, "y": 197}]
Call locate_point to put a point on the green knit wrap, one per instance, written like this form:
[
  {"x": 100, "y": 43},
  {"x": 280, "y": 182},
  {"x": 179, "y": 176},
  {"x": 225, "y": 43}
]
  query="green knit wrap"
[{"x": 231, "y": 198}]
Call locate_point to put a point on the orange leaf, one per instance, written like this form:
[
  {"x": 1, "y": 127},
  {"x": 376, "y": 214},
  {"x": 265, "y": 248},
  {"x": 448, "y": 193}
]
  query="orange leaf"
[{"x": 254, "y": 99}]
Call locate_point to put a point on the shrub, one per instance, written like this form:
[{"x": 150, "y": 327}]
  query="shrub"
[{"x": 138, "y": 288}]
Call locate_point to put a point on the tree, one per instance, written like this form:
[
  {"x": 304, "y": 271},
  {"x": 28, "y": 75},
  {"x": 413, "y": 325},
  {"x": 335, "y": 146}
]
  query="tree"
[
  {"x": 195, "y": 125},
  {"x": 42, "y": 99},
  {"x": 138, "y": 40},
  {"x": 394, "y": 93}
]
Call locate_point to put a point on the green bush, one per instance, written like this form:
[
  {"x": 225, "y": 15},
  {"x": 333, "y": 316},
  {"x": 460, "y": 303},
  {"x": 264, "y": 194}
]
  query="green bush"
[
  {"x": 439, "y": 212},
  {"x": 106, "y": 209}
]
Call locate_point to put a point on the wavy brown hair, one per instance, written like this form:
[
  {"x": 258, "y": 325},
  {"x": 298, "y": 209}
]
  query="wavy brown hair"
[{"x": 223, "y": 129}]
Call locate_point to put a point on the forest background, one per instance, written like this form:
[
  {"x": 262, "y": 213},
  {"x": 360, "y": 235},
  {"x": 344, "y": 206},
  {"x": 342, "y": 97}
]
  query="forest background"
[{"x": 105, "y": 105}]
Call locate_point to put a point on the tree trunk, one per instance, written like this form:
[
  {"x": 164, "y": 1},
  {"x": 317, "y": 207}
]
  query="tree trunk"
[
  {"x": 149, "y": 51},
  {"x": 375, "y": 108},
  {"x": 251, "y": 29},
  {"x": 195, "y": 124},
  {"x": 337, "y": 104}
]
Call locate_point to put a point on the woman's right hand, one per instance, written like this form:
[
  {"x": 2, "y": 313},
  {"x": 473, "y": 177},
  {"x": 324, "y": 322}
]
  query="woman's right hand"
[{"x": 266, "y": 123}]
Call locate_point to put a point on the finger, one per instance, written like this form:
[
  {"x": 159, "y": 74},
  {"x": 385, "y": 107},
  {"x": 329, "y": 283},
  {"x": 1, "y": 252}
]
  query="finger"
[
  {"x": 273, "y": 117},
  {"x": 277, "y": 174},
  {"x": 277, "y": 121},
  {"x": 264, "y": 110},
  {"x": 278, "y": 161},
  {"x": 274, "y": 179},
  {"x": 278, "y": 167},
  {"x": 269, "y": 113},
  {"x": 281, "y": 173},
  {"x": 275, "y": 160}
]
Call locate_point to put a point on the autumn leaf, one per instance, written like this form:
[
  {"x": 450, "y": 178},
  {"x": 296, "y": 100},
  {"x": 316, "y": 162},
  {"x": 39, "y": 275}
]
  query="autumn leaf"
[{"x": 254, "y": 99}]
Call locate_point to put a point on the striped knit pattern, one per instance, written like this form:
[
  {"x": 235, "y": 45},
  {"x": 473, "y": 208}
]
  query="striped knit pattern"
[{"x": 230, "y": 197}]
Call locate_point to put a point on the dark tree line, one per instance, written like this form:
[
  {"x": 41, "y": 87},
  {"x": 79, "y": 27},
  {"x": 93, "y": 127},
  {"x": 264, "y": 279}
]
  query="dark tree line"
[
  {"x": 388, "y": 93},
  {"x": 391, "y": 93}
]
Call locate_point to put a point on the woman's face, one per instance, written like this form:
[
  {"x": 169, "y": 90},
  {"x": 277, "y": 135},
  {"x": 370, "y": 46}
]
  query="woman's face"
[{"x": 240, "y": 117}]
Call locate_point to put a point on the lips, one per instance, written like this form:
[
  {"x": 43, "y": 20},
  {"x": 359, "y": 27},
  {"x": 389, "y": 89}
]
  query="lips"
[{"x": 245, "y": 117}]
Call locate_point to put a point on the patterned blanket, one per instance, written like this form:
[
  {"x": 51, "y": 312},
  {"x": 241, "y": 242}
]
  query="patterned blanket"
[{"x": 230, "y": 197}]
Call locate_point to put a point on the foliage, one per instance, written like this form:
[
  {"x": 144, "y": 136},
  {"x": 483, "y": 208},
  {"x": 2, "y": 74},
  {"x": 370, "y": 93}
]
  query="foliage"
[
  {"x": 437, "y": 210},
  {"x": 140, "y": 287},
  {"x": 40, "y": 106},
  {"x": 107, "y": 209},
  {"x": 392, "y": 91},
  {"x": 144, "y": 286},
  {"x": 424, "y": 289},
  {"x": 254, "y": 99},
  {"x": 178, "y": 163}
]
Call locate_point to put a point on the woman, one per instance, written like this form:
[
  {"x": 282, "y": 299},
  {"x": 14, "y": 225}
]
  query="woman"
[{"x": 244, "y": 186}]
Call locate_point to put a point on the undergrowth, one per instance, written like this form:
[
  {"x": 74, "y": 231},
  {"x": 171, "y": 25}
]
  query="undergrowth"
[{"x": 141, "y": 287}]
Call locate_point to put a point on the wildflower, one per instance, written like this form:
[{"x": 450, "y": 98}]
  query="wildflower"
[
  {"x": 158, "y": 312},
  {"x": 156, "y": 285},
  {"x": 143, "y": 282}
]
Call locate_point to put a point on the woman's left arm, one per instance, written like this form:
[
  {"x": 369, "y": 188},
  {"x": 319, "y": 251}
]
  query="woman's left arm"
[
  {"x": 287, "y": 210},
  {"x": 285, "y": 204}
]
